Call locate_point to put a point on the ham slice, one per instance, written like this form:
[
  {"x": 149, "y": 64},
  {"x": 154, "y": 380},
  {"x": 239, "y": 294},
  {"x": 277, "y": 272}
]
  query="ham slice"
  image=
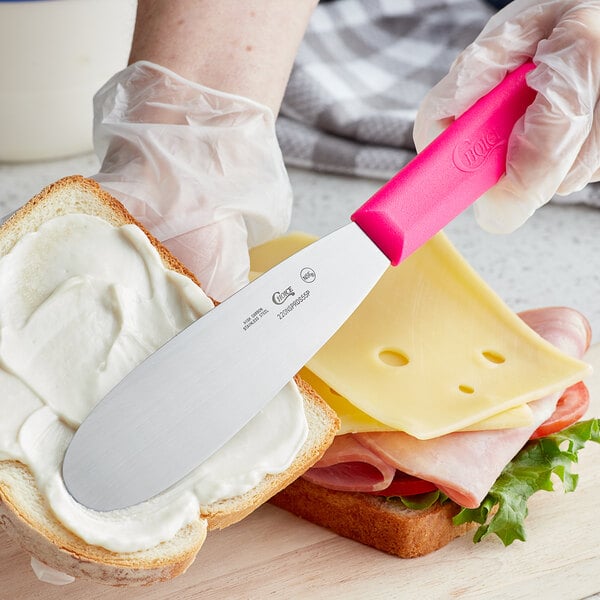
[
  {"x": 564, "y": 327},
  {"x": 465, "y": 464},
  {"x": 348, "y": 466}
]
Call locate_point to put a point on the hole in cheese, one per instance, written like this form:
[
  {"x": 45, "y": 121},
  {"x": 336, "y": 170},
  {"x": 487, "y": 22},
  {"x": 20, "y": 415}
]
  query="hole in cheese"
[
  {"x": 465, "y": 389},
  {"x": 393, "y": 358},
  {"x": 493, "y": 357}
]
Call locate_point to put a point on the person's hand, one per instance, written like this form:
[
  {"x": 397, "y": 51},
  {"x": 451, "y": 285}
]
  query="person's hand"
[
  {"x": 555, "y": 149},
  {"x": 200, "y": 169}
]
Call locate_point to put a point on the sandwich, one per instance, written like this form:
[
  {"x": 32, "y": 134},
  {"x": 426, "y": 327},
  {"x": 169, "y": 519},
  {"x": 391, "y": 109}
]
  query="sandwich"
[
  {"x": 453, "y": 409},
  {"x": 86, "y": 294}
]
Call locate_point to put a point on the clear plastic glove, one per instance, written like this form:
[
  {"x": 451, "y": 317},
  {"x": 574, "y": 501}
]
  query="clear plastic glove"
[
  {"x": 200, "y": 169},
  {"x": 555, "y": 149}
]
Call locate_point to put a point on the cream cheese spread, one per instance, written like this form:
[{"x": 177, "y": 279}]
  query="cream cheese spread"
[{"x": 81, "y": 304}]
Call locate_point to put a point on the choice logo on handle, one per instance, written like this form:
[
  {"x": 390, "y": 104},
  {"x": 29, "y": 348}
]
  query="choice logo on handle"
[{"x": 470, "y": 154}]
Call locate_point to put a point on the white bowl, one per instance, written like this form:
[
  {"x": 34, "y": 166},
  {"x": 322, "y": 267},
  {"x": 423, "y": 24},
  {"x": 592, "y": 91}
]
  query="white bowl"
[{"x": 54, "y": 56}]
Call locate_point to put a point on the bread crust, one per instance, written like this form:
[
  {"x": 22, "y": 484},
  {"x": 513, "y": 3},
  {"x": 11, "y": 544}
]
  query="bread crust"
[
  {"x": 373, "y": 520},
  {"x": 27, "y": 518},
  {"x": 77, "y": 194},
  {"x": 25, "y": 513}
]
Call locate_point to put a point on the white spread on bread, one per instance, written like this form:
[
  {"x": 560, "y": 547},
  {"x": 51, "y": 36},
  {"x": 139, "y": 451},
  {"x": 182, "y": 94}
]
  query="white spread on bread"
[{"x": 81, "y": 303}]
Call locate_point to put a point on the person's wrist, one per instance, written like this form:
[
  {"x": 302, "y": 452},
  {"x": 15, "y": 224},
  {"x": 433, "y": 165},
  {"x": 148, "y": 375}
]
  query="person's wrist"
[{"x": 241, "y": 48}]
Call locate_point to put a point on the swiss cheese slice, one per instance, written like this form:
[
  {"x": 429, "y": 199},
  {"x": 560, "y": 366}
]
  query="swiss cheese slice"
[
  {"x": 432, "y": 349},
  {"x": 518, "y": 416},
  {"x": 354, "y": 420}
]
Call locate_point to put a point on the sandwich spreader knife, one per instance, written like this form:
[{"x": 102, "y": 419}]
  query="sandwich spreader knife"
[{"x": 192, "y": 395}]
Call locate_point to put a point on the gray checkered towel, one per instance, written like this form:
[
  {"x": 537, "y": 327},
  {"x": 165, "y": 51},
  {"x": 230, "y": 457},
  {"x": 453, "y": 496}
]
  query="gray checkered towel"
[{"x": 361, "y": 72}]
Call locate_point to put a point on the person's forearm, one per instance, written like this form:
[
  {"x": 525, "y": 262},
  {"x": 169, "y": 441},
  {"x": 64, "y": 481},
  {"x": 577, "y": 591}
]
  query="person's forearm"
[{"x": 245, "y": 47}]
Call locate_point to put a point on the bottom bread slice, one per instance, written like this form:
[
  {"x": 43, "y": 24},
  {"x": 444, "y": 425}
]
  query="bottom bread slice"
[{"x": 373, "y": 520}]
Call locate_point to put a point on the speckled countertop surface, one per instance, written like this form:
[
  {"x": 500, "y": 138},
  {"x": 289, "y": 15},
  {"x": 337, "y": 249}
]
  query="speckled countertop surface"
[{"x": 553, "y": 259}]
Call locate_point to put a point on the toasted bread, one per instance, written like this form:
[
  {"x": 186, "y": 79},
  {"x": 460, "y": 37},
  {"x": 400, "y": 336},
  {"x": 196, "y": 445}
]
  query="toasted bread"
[
  {"x": 25, "y": 512},
  {"x": 373, "y": 520}
]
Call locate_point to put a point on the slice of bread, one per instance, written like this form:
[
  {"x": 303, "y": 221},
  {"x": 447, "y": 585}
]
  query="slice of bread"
[
  {"x": 25, "y": 513},
  {"x": 372, "y": 520}
]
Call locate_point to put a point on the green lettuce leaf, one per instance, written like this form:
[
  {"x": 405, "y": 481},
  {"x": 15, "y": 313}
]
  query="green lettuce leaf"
[
  {"x": 420, "y": 501},
  {"x": 504, "y": 509}
]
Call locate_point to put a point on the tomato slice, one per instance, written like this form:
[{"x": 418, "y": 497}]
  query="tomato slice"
[
  {"x": 406, "y": 485},
  {"x": 573, "y": 404}
]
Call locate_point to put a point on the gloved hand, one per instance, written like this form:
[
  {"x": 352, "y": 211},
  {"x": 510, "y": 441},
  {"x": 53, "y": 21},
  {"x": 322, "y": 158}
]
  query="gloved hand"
[
  {"x": 200, "y": 169},
  {"x": 555, "y": 149}
]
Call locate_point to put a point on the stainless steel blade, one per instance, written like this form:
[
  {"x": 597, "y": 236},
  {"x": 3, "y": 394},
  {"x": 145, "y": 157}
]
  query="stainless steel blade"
[{"x": 187, "y": 399}]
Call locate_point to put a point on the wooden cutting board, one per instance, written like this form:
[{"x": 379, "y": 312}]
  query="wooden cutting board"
[{"x": 274, "y": 554}]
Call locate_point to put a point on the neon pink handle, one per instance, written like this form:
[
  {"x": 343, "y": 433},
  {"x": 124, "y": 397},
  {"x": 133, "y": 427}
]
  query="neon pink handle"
[{"x": 451, "y": 173}]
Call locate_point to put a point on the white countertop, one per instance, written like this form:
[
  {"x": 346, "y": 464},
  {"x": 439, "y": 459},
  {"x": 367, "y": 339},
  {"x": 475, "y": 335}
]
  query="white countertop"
[{"x": 552, "y": 260}]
